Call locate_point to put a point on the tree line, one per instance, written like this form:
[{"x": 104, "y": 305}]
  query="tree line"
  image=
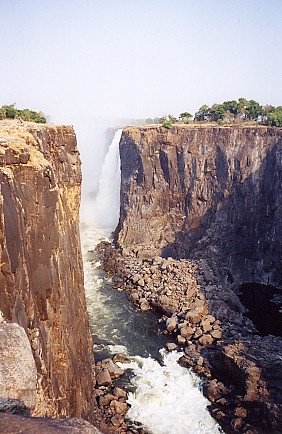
[
  {"x": 11, "y": 112},
  {"x": 229, "y": 112}
]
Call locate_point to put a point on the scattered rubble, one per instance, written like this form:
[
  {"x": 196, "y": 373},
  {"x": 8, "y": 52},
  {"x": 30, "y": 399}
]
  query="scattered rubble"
[{"x": 208, "y": 323}]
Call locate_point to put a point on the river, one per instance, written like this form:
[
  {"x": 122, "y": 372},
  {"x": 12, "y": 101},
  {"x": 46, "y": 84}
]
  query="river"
[{"x": 164, "y": 397}]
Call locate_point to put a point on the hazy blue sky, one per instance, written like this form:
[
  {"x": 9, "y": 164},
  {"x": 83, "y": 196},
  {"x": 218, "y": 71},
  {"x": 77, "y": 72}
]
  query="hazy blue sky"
[{"x": 138, "y": 58}]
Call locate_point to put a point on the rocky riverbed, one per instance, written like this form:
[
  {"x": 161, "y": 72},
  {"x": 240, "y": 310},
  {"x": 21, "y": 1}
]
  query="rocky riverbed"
[
  {"x": 241, "y": 370},
  {"x": 112, "y": 398}
]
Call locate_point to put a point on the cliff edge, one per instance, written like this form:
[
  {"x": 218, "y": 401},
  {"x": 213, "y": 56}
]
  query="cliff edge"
[
  {"x": 200, "y": 238},
  {"x": 194, "y": 191},
  {"x": 41, "y": 274}
]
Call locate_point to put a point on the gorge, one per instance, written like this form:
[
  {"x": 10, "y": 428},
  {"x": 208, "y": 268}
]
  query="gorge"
[
  {"x": 208, "y": 199},
  {"x": 198, "y": 240},
  {"x": 152, "y": 377}
]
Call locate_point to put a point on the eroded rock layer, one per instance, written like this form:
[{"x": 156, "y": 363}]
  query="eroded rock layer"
[
  {"x": 213, "y": 191},
  {"x": 200, "y": 215},
  {"x": 41, "y": 275}
]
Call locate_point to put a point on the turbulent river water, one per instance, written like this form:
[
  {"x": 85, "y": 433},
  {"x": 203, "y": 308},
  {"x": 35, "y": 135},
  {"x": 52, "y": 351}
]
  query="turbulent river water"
[{"x": 164, "y": 397}]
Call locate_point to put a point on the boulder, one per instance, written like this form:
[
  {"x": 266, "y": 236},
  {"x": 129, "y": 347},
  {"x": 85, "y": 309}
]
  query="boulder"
[
  {"x": 171, "y": 323},
  {"x": 117, "y": 420},
  {"x": 14, "y": 406},
  {"x": 141, "y": 282},
  {"x": 171, "y": 346},
  {"x": 207, "y": 327},
  {"x": 120, "y": 358},
  {"x": 241, "y": 412},
  {"x": 120, "y": 393},
  {"x": 144, "y": 304},
  {"x": 206, "y": 340},
  {"x": 105, "y": 400},
  {"x": 237, "y": 424},
  {"x": 17, "y": 368},
  {"x": 212, "y": 391},
  {"x": 168, "y": 305},
  {"x": 136, "y": 277},
  {"x": 186, "y": 331},
  {"x": 15, "y": 424},
  {"x": 119, "y": 407},
  {"x": 193, "y": 317},
  {"x": 134, "y": 297},
  {"x": 198, "y": 333},
  {"x": 181, "y": 340},
  {"x": 103, "y": 378},
  {"x": 216, "y": 334},
  {"x": 114, "y": 370}
]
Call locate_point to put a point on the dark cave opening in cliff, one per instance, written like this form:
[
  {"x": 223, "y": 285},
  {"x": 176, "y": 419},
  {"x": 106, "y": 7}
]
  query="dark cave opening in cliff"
[{"x": 264, "y": 304}]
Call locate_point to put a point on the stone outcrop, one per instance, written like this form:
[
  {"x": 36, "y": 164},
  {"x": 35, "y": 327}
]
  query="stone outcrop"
[
  {"x": 15, "y": 424},
  {"x": 17, "y": 366},
  {"x": 41, "y": 274},
  {"x": 194, "y": 191},
  {"x": 200, "y": 215}
]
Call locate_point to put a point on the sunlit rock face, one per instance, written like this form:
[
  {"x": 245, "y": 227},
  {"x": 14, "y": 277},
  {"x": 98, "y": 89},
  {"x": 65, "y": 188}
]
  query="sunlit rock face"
[
  {"x": 194, "y": 191},
  {"x": 41, "y": 277}
]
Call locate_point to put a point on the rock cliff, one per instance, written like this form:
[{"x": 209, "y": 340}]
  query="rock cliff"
[
  {"x": 214, "y": 191},
  {"x": 201, "y": 213},
  {"x": 41, "y": 274}
]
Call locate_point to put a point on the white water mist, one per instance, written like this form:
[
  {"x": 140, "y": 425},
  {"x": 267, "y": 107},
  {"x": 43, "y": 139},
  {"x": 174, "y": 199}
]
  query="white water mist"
[{"x": 107, "y": 202}]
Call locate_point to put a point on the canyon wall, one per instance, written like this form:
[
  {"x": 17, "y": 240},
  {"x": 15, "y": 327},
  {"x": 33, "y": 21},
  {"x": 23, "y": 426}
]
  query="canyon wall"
[
  {"x": 41, "y": 274},
  {"x": 205, "y": 191}
]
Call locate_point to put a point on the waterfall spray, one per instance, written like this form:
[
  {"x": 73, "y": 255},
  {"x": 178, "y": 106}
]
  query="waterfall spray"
[{"x": 108, "y": 197}]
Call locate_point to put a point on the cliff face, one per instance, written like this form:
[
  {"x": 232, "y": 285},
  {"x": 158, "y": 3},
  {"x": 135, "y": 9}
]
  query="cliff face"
[
  {"x": 41, "y": 275},
  {"x": 212, "y": 192}
]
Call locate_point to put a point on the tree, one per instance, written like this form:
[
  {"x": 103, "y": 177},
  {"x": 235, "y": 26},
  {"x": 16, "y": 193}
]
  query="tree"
[
  {"x": 185, "y": 116},
  {"x": 172, "y": 119},
  {"x": 274, "y": 118},
  {"x": 231, "y": 106},
  {"x": 9, "y": 111},
  {"x": 203, "y": 114},
  {"x": 242, "y": 107},
  {"x": 169, "y": 118},
  {"x": 217, "y": 112},
  {"x": 253, "y": 110},
  {"x": 265, "y": 112}
]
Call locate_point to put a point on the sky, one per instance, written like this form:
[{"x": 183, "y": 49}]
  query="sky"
[
  {"x": 99, "y": 61},
  {"x": 138, "y": 58}
]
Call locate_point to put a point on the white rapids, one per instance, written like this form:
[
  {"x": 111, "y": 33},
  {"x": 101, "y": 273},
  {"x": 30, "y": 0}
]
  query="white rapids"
[{"x": 165, "y": 397}]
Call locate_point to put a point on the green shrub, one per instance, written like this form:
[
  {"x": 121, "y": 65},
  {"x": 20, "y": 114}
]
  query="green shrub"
[
  {"x": 167, "y": 124},
  {"x": 10, "y": 112}
]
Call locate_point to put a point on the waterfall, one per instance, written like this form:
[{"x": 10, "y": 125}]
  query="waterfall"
[
  {"x": 165, "y": 398},
  {"x": 107, "y": 202}
]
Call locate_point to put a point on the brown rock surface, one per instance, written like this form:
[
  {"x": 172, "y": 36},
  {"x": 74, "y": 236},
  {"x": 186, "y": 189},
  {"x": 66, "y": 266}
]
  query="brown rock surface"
[
  {"x": 210, "y": 197},
  {"x": 17, "y": 365},
  {"x": 41, "y": 277},
  {"x": 187, "y": 190},
  {"x": 15, "y": 424}
]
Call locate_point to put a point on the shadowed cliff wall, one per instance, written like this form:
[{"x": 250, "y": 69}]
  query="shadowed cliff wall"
[
  {"x": 41, "y": 275},
  {"x": 205, "y": 191}
]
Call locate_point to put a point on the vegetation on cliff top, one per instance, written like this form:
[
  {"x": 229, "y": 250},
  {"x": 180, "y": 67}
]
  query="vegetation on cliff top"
[
  {"x": 229, "y": 112},
  {"x": 10, "y": 112}
]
